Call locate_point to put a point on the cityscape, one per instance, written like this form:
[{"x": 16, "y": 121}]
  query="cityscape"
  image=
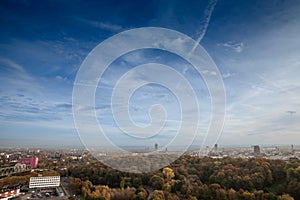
[{"x": 45, "y": 173}]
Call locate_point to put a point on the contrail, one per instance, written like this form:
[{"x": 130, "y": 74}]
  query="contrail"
[{"x": 207, "y": 14}]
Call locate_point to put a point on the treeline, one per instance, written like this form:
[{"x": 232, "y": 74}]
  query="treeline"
[{"x": 193, "y": 178}]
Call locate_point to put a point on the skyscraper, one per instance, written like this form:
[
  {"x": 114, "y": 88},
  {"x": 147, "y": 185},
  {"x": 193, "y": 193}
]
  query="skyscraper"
[
  {"x": 256, "y": 149},
  {"x": 216, "y": 147}
]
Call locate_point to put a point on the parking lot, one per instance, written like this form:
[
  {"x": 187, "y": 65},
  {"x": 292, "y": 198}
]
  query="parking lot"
[{"x": 42, "y": 194}]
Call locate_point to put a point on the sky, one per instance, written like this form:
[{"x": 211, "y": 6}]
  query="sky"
[{"x": 254, "y": 44}]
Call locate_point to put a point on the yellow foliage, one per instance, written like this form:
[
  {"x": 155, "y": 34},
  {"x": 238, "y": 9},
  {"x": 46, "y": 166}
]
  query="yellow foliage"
[{"x": 168, "y": 173}]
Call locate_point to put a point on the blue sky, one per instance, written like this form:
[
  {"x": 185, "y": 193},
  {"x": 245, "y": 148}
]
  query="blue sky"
[{"x": 254, "y": 44}]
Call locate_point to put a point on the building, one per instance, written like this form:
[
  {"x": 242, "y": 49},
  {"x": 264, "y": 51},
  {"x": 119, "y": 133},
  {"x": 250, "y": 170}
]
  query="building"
[
  {"x": 44, "y": 181},
  {"x": 32, "y": 162},
  {"x": 156, "y": 146},
  {"x": 256, "y": 149},
  {"x": 216, "y": 147},
  {"x": 9, "y": 194}
]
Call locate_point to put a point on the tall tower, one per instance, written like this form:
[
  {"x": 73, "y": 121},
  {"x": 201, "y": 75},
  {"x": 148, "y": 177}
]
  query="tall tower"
[
  {"x": 156, "y": 146},
  {"x": 216, "y": 147},
  {"x": 256, "y": 149}
]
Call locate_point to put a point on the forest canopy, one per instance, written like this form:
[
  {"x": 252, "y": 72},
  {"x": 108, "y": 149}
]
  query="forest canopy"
[{"x": 192, "y": 178}]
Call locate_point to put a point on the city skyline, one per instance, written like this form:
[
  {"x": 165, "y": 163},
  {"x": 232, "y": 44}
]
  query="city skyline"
[{"x": 255, "y": 46}]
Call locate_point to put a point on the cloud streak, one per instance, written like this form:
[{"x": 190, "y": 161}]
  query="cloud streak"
[
  {"x": 207, "y": 15},
  {"x": 102, "y": 25},
  {"x": 16, "y": 68},
  {"x": 235, "y": 46}
]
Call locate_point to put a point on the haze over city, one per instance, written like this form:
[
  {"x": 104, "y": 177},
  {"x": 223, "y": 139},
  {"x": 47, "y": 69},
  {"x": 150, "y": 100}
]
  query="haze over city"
[{"x": 254, "y": 44}]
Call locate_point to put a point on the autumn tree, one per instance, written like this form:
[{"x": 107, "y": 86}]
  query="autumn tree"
[
  {"x": 168, "y": 173},
  {"x": 75, "y": 184},
  {"x": 157, "y": 182},
  {"x": 157, "y": 195}
]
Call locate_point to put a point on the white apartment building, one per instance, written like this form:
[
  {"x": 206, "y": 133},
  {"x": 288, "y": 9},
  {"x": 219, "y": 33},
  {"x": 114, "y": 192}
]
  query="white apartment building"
[{"x": 44, "y": 181}]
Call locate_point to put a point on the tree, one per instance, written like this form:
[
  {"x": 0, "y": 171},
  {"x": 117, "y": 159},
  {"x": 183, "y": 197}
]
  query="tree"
[
  {"x": 75, "y": 185},
  {"x": 294, "y": 188},
  {"x": 285, "y": 197},
  {"x": 168, "y": 173},
  {"x": 157, "y": 195},
  {"x": 221, "y": 194},
  {"x": 142, "y": 194},
  {"x": 157, "y": 182},
  {"x": 232, "y": 194},
  {"x": 248, "y": 196}
]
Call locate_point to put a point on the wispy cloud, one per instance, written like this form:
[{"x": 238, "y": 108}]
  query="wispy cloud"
[
  {"x": 22, "y": 108},
  {"x": 16, "y": 77},
  {"x": 16, "y": 68},
  {"x": 235, "y": 46},
  {"x": 228, "y": 74},
  {"x": 109, "y": 26},
  {"x": 259, "y": 111},
  {"x": 102, "y": 25}
]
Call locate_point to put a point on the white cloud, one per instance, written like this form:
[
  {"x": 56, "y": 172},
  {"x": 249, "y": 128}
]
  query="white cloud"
[
  {"x": 228, "y": 74},
  {"x": 266, "y": 87},
  {"x": 109, "y": 26},
  {"x": 102, "y": 25},
  {"x": 235, "y": 46},
  {"x": 60, "y": 78},
  {"x": 16, "y": 77},
  {"x": 213, "y": 73},
  {"x": 258, "y": 114},
  {"x": 17, "y": 69}
]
